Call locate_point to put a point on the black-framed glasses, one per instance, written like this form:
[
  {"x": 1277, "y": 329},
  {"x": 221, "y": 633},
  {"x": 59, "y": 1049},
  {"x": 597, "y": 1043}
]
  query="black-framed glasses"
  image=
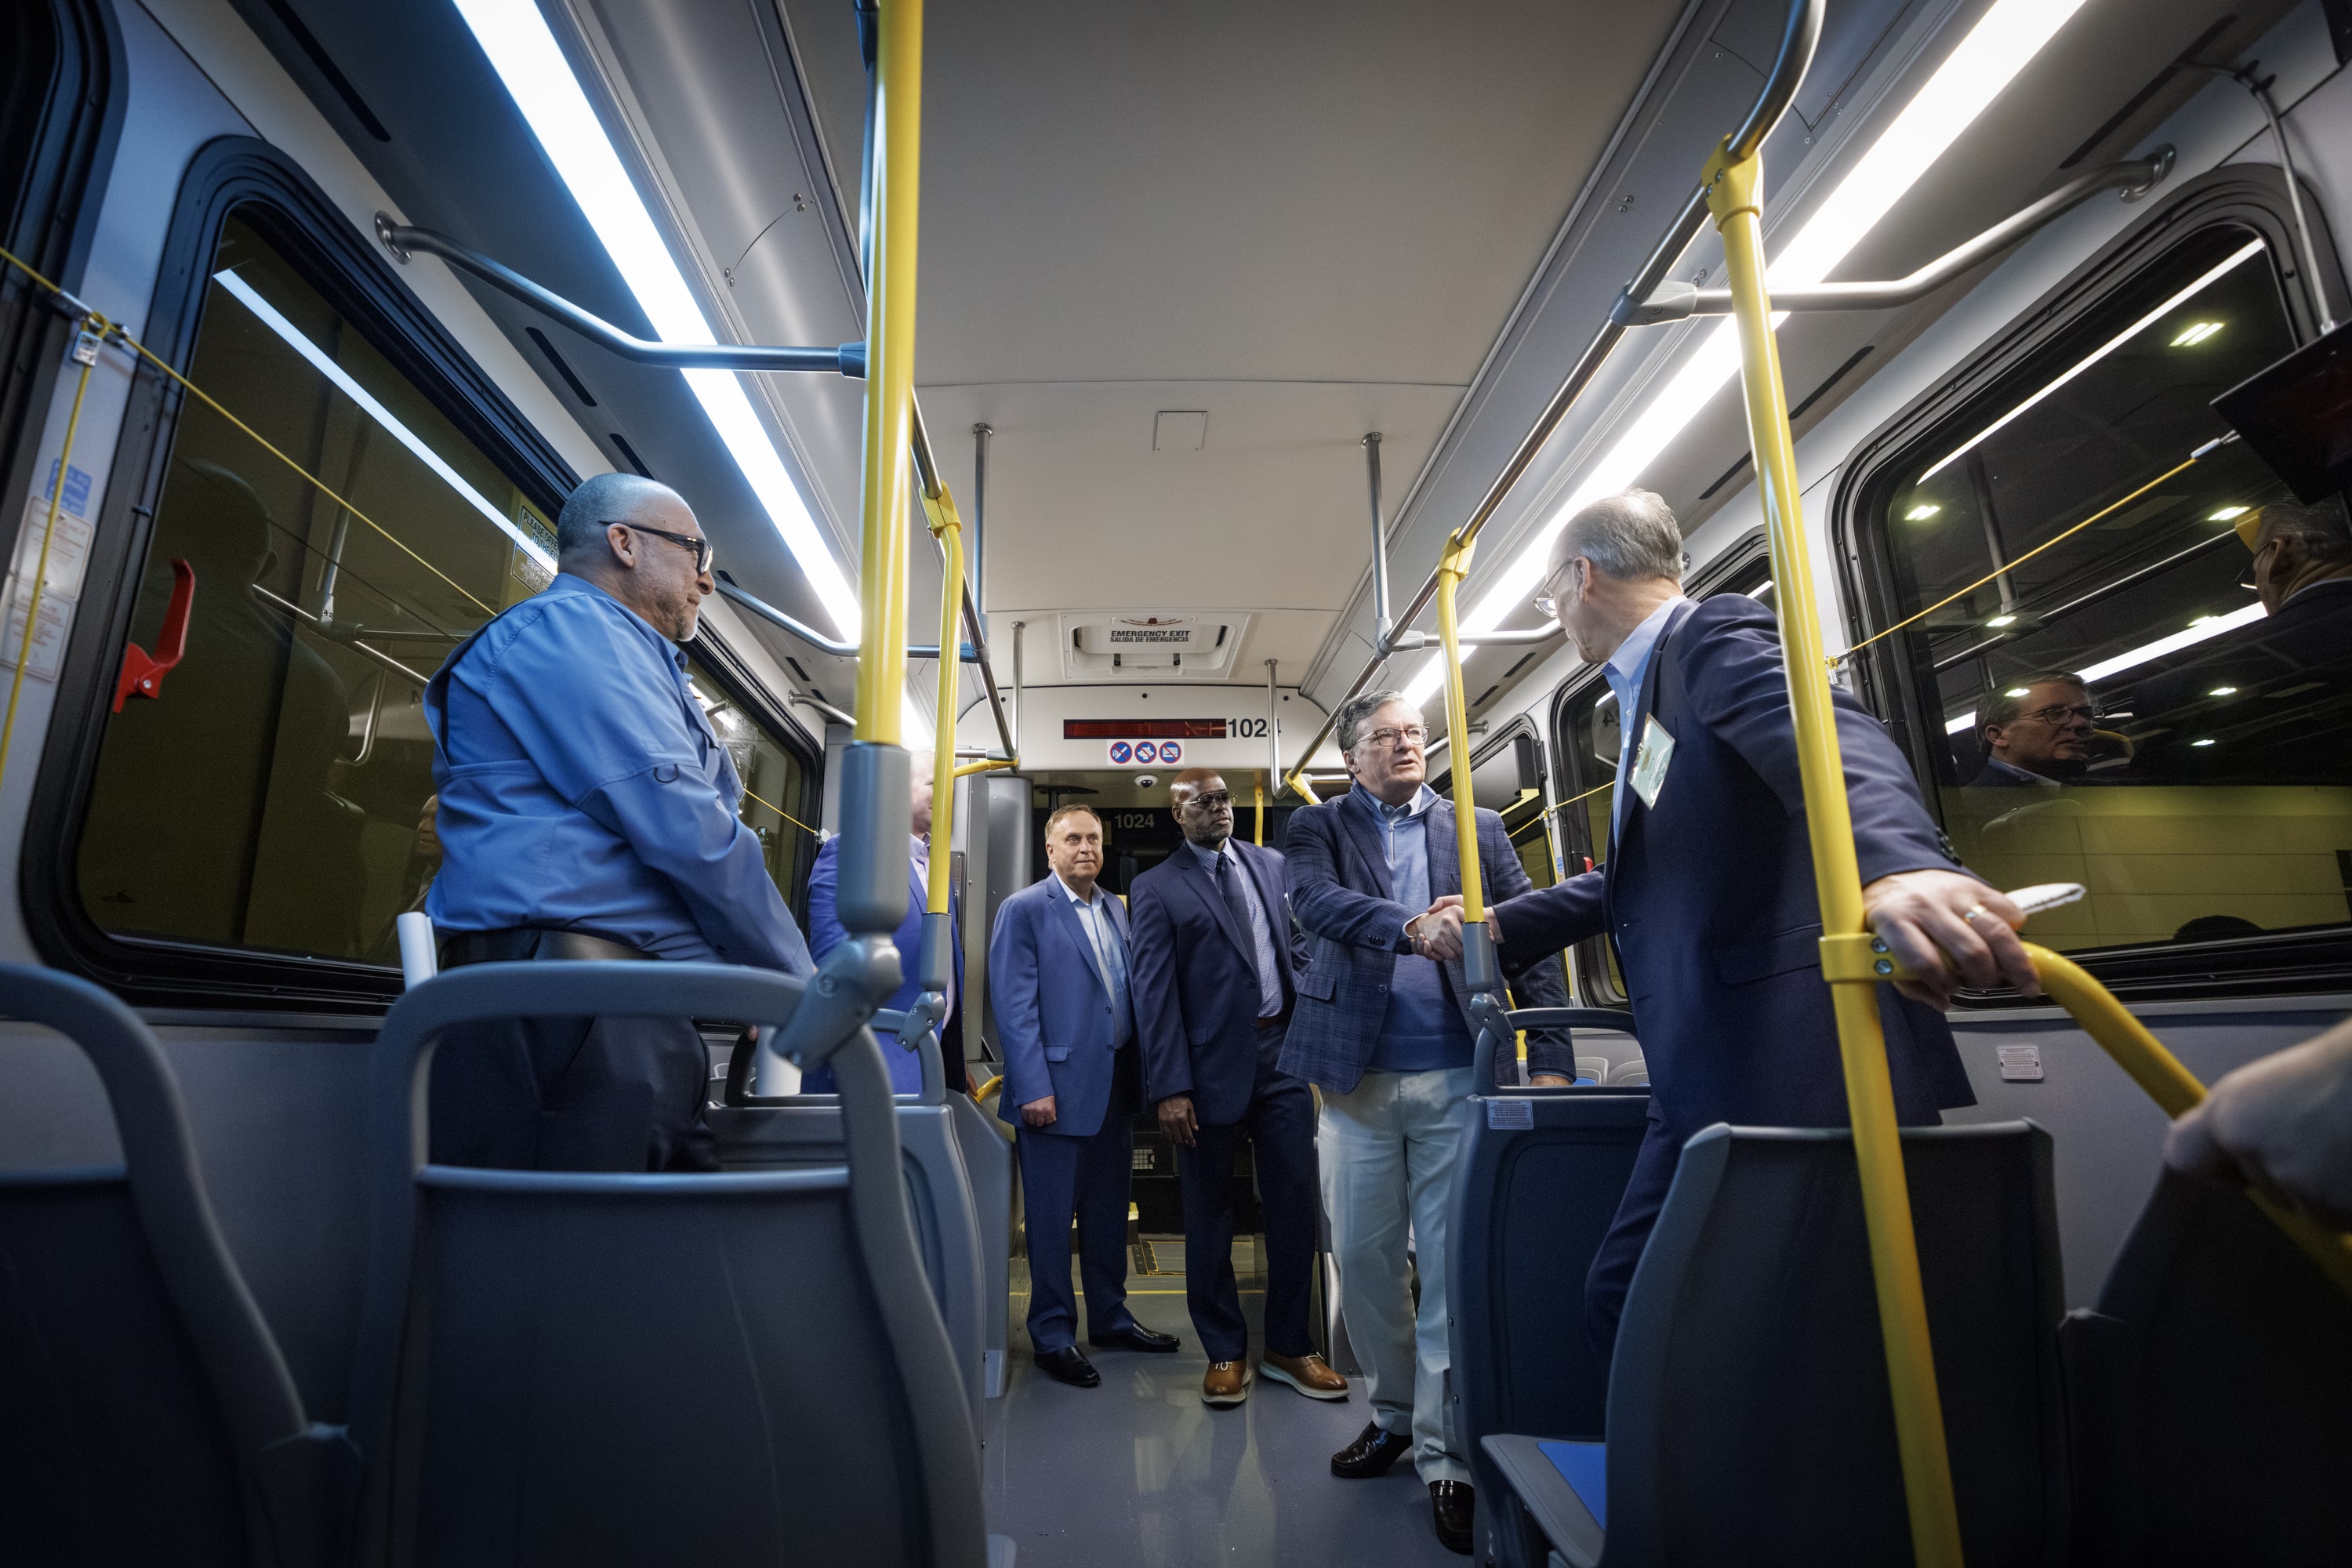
[
  {"x": 703, "y": 551},
  {"x": 2246, "y": 578},
  {"x": 2058, "y": 713},
  {"x": 1210, "y": 802}
]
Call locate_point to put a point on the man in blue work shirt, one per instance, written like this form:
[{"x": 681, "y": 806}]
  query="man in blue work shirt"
[{"x": 589, "y": 811}]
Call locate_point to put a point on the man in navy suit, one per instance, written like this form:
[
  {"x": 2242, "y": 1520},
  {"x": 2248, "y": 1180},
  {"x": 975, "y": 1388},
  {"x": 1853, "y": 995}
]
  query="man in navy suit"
[
  {"x": 826, "y": 933},
  {"x": 1057, "y": 972},
  {"x": 1709, "y": 892},
  {"x": 1387, "y": 1033},
  {"x": 1214, "y": 956}
]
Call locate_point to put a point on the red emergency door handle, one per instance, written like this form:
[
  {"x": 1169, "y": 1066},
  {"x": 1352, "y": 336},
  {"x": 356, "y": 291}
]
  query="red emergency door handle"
[{"x": 143, "y": 673}]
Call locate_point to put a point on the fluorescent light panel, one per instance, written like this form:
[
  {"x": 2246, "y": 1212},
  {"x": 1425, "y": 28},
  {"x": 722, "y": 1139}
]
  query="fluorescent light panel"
[
  {"x": 325, "y": 365},
  {"x": 524, "y": 53},
  {"x": 2205, "y": 630},
  {"x": 2010, "y": 35}
]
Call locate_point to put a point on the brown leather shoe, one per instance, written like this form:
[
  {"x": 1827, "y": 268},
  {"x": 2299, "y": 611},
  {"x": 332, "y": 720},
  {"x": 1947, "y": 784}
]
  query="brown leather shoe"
[
  {"x": 1371, "y": 1454},
  {"x": 1308, "y": 1373},
  {"x": 1450, "y": 1504},
  {"x": 1227, "y": 1382}
]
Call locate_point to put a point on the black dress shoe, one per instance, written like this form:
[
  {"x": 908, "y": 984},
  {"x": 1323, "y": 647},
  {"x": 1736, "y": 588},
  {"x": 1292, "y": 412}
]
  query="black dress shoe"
[
  {"x": 1450, "y": 1508},
  {"x": 1069, "y": 1365},
  {"x": 1136, "y": 1337},
  {"x": 1371, "y": 1455}
]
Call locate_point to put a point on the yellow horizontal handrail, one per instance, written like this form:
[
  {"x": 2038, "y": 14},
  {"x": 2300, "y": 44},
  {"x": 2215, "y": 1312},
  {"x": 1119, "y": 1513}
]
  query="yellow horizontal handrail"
[
  {"x": 2174, "y": 1089},
  {"x": 989, "y": 765}
]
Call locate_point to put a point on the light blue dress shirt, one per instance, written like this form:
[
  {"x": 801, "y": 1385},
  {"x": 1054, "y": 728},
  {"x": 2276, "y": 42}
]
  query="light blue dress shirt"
[
  {"x": 1269, "y": 977},
  {"x": 582, "y": 789},
  {"x": 1111, "y": 956},
  {"x": 1626, "y": 669}
]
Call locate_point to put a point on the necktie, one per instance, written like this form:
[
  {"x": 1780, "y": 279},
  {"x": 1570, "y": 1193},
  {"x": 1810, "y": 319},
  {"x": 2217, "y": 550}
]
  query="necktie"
[{"x": 1229, "y": 887}]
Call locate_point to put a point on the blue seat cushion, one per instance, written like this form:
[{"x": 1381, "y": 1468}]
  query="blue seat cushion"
[{"x": 1585, "y": 1467}]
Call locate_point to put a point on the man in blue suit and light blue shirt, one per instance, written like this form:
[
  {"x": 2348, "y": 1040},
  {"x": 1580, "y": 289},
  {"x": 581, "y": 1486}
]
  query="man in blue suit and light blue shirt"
[
  {"x": 587, "y": 811},
  {"x": 1058, "y": 975},
  {"x": 1709, "y": 893},
  {"x": 826, "y": 933},
  {"x": 1387, "y": 1033},
  {"x": 1215, "y": 957}
]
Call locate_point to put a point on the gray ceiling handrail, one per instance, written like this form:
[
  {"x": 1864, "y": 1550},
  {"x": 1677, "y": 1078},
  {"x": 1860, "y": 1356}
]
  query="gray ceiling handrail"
[
  {"x": 1787, "y": 74},
  {"x": 1676, "y": 300},
  {"x": 809, "y": 634}
]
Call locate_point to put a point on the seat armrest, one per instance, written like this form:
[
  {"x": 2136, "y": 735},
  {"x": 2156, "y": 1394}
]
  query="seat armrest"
[{"x": 1548, "y": 1500}]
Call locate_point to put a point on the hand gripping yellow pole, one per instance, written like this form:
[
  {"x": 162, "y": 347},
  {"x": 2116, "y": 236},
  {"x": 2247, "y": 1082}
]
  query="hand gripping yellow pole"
[{"x": 1735, "y": 197}]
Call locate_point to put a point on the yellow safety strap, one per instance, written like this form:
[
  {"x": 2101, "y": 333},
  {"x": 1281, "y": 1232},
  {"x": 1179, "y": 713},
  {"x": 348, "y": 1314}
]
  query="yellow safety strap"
[{"x": 1735, "y": 197}]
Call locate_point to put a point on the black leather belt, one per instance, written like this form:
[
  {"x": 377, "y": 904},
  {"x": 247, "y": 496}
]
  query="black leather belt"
[{"x": 516, "y": 944}]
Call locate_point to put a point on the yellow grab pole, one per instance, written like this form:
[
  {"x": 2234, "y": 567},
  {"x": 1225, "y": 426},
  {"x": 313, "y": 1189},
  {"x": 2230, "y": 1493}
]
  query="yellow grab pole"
[
  {"x": 988, "y": 766},
  {"x": 2174, "y": 1089},
  {"x": 1453, "y": 566},
  {"x": 946, "y": 527},
  {"x": 1257, "y": 788},
  {"x": 1306, "y": 791},
  {"x": 890, "y": 374},
  {"x": 1735, "y": 195}
]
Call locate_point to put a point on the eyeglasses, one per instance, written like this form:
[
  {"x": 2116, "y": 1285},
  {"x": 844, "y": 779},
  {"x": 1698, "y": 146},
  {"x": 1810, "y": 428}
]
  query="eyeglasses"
[
  {"x": 2058, "y": 713},
  {"x": 1413, "y": 735},
  {"x": 1545, "y": 602},
  {"x": 1210, "y": 802},
  {"x": 703, "y": 552},
  {"x": 2246, "y": 578}
]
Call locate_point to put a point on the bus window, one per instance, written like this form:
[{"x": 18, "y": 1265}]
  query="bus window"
[
  {"x": 2112, "y": 710},
  {"x": 774, "y": 779}
]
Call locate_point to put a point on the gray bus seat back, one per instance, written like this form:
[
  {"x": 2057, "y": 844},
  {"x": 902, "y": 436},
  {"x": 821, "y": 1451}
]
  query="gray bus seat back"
[
  {"x": 565, "y": 1331},
  {"x": 1748, "y": 1412},
  {"x": 134, "y": 1343},
  {"x": 987, "y": 1163},
  {"x": 1530, "y": 1204},
  {"x": 2211, "y": 1393}
]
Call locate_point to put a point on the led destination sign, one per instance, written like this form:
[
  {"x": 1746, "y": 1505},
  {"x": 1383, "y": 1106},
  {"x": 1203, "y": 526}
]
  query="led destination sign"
[{"x": 1144, "y": 730}]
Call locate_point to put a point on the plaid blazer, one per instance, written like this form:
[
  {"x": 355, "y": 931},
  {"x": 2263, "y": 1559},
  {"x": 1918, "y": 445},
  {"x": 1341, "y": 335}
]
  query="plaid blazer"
[{"x": 1338, "y": 879}]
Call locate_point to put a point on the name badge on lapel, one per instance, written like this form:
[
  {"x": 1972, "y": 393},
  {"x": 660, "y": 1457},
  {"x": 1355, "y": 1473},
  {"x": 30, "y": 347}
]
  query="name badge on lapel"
[{"x": 1650, "y": 762}]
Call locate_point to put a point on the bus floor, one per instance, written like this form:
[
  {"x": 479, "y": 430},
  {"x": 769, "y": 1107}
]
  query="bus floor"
[{"x": 1140, "y": 1471}]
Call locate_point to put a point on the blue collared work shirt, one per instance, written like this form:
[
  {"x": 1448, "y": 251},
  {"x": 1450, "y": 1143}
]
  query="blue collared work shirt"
[{"x": 582, "y": 788}]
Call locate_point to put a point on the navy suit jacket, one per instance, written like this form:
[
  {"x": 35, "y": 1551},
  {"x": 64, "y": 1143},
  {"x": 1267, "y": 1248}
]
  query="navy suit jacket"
[
  {"x": 1053, "y": 1012},
  {"x": 1339, "y": 891},
  {"x": 1195, "y": 977},
  {"x": 826, "y": 933},
  {"x": 1710, "y": 896}
]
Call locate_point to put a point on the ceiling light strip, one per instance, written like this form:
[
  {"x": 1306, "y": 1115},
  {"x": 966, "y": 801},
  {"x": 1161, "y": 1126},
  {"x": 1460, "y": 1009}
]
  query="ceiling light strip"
[
  {"x": 1998, "y": 47},
  {"x": 524, "y": 53}
]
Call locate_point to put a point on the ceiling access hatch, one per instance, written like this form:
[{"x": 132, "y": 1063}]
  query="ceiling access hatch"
[{"x": 1180, "y": 642}]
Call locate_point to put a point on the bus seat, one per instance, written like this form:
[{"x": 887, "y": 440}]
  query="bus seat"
[
  {"x": 961, "y": 1255},
  {"x": 1535, "y": 1188},
  {"x": 1591, "y": 1070},
  {"x": 1631, "y": 1071},
  {"x": 150, "y": 1419},
  {"x": 988, "y": 1164},
  {"x": 1749, "y": 1414},
  {"x": 2211, "y": 1393},
  {"x": 616, "y": 1369}
]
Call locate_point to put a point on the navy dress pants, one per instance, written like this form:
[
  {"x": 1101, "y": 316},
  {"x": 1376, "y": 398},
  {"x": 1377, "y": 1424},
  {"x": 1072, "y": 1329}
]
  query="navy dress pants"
[
  {"x": 572, "y": 1094},
  {"x": 1088, "y": 1177},
  {"x": 1280, "y": 1128},
  {"x": 1611, "y": 1274}
]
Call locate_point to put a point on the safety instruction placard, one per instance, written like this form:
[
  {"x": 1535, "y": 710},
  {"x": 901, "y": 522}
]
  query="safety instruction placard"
[
  {"x": 1146, "y": 754},
  {"x": 68, "y": 561}
]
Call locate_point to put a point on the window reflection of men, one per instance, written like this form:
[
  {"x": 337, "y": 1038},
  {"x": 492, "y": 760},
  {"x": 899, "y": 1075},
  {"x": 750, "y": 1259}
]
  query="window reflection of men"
[
  {"x": 2037, "y": 732},
  {"x": 2303, "y": 570}
]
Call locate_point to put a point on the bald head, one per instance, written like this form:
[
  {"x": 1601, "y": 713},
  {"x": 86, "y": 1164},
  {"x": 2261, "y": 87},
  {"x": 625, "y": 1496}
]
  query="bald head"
[
  {"x": 607, "y": 498},
  {"x": 1203, "y": 807}
]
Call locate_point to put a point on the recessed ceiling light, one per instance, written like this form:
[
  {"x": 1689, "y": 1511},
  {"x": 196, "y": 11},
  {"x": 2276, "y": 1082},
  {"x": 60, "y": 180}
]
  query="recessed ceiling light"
[
  {"x": 2002, "y": 621},
  {"x": 2223, "y": 691},
  {"x": 2207, "y": 628},
  {"x": 2015, "y": 691},
  {"x": 2201, "y": 743},
  {"x": 2194, "y": 332},
  {"x": 1922, "y": 512},
  {"x": 2227, "y": 513}
]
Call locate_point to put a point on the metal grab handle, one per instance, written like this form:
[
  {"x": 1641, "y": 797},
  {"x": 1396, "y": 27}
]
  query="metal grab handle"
[
  {"x": 1499, "y": 1025},
  {"x": 2174, "y": 1089}
]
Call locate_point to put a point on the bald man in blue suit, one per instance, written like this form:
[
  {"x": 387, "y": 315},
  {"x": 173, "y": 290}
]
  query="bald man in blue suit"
[{"x": 1057, "y": 973}]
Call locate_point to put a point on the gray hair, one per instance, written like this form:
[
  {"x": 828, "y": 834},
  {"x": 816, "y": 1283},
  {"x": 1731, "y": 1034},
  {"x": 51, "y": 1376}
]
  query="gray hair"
[
  {"x": 2001, "y": 710},
  {"x": 600, "y": 500},
  {"x": 1357, "y": 711},
  {"x": 2319, "y": 529},
  {"x": 1632, "y": 537}
]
